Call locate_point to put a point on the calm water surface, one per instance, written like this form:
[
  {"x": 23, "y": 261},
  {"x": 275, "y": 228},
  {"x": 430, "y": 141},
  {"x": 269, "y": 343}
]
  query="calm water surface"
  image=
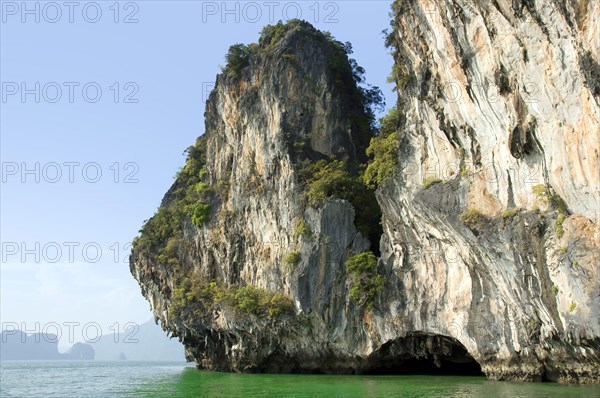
[{"x": 164, "y": 379}]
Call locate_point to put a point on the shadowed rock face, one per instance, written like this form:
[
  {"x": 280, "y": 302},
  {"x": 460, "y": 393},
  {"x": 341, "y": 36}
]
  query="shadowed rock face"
[{"x": 495, "y": 98}]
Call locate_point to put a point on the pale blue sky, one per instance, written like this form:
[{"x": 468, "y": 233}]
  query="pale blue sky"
[{"x": 166, "y": 62}]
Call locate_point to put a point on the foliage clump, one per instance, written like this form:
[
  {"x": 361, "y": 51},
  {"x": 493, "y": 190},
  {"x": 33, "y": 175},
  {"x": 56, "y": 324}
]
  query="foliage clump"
[
  {"x": 301, "y": 228},
  {"x": 508, "y": 213},
  {"x": 201, "y": 214},
  {"x": 168, "y": 253},
  {"x": 190, "y": 197},
  {"x": 474, "y": 220},
  {"x": 331, "y": 178},
  {"x": 271, "y": 35},
  {"x": 193, "y": 299},
  {"x": 237, "y": 58},
  {"x": 365, "y": 282},
  {"x": 429, "y": 181},
  {"x": 550, "y": 197},
  {"x": 401, "y": 75},
  {"x": 158, "y": 229},
  {"x": 291, "y": 260},
  {"x": 203, "y": 189},
  {"x": 349, "y": 76},
  {"x": 383, "y": 151},
  {"x": 252, "y": 300},
  {"x": 558, "y": 225},
  {"x": 328, "y": 178}
]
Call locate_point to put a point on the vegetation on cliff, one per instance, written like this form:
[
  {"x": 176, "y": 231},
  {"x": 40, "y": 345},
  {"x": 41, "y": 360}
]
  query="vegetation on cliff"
[
  {"x": 553, "y": 200},
  {"x": 193, "y": 299},
  {"x": 361, "y": 100},
  {"x": 550, "y": 197},
  {"x": 384, "y": 145},
  {"x": 326, "y": 179},
  {"x": 190, "y": 197},
  {"x": 237, "y": 59},
  {"x": 429, "y": 181},
  {"x": 291, "y": 260},
  {"x": 365, "y": 282},
  {"x": 474, "y": 220},
  {"x": 383, "y": 151},
  {"x": 323, "y": 179}
]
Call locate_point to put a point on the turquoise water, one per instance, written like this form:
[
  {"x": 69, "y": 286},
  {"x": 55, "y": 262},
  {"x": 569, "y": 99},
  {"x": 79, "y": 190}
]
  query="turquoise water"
[{"x": 163, "y": 379}]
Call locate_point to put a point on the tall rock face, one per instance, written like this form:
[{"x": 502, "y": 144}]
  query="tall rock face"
[
  {"x": 289, "y": 100},
  {"x": 499, "y": 100},
  {"x": 488, "y": 257}
]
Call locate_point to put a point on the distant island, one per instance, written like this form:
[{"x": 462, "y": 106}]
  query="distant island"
[
  {"x": 18, "y": 345},
  {"x": 145, "y": 342}
]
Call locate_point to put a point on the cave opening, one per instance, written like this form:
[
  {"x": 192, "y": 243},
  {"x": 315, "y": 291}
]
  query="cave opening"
[
  {"x": 423, "y": 354},
  {"x": 428, "y": 366}
]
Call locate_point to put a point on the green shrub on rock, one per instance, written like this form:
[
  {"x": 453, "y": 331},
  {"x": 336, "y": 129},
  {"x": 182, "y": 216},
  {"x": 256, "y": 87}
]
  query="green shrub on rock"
[
  {"x": 252, "y": 300},
  {"x": 383, "y": 150},
  {"x": 271, "y": 35},
  {"x": 200, "y": 214},
  {"x": 168, "y": 253},
  {"x": 180, "y": 203},
  {"x": 429, "y": 181},
  {"x": 474, "y": 219},
  {"x": 508, "y": 213},
  {"x": 238, "y": 57},
  {"x": 325, "y": 179},
  {"x": 203, "y": 190},
  {"x": 301, "y": 228},
  {"x": 291, "y": 260},
  {"x": 558, "y": 225},
  {"x": 550, "y": 197},
  {"x": 365, "y": 282},
  {"x": 193, "y": 299}
]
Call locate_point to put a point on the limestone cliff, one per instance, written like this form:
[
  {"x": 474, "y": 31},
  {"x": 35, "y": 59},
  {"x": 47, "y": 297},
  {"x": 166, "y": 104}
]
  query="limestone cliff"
[
  {"x": 499, "y": 100},
  {"x": 488, "y": 248}
]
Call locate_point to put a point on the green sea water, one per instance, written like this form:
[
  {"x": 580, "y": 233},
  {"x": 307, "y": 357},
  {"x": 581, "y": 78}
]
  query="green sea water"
[{"x": 163, "y": 379}]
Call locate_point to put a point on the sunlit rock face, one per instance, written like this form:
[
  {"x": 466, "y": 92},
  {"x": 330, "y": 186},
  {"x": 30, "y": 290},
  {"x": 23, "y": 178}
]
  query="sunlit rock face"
[
  {"x": 494, "y": 267},
  {"x": 499, "y": 97}
]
